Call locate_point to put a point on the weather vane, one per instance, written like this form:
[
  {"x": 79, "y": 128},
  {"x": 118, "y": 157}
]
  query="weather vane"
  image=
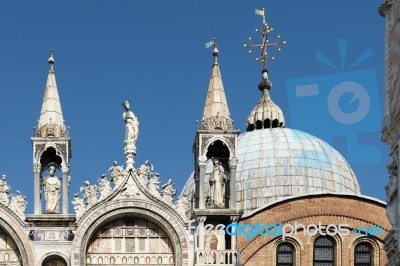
[
  {"x": 215, "y": 53},
  {"x": 212, "y": 43},
  {"x": 265, "y": 42}
]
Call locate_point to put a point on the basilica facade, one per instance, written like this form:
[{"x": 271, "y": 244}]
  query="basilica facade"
[{"x": 269, "y": 196}]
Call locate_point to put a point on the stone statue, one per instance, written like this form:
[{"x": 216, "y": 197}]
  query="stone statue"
[
  {"x": 117, "y": 174},
  {"x": 217, "y": 184},
  {"x": 18, "y": 204},
  {"x": 168, "y": 191},
  {"x": 4, "y": 191},
  {"x": 154, "y": 185},
  {"x": 90, "y": 194},
  {"x": 104, "y": 187},
  {"x": 183, "y": 207},
  {"x": 131, "y": 127},
  {"x": 144, "y": 172},
  {"x": 79, "y": 206},
  {"x": 51, "y": 186}
]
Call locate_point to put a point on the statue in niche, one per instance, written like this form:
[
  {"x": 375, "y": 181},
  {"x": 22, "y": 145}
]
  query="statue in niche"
[
  {"x": 51, "y": 187},
  {"x": 117, "y": 174},
  {"x": 90, "y": 194},
  {"x": 168, "y": 191},
  {"x": 217, "y": 184},
  {"x": 131, "y": 127},
  {"x": 4, "y": 191},
  {"x": 104, "y": 187},
  {"x": 144, "y": 172},
  {"x": 79, "y": 206},
  {"x": 154, "y": 185},
  {"x": 18, "y": 204}
]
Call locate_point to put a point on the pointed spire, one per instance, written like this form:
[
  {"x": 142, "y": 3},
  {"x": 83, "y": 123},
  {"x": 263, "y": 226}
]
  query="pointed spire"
[
  {"x": 51, "y": 121},
  {"x": 216, "y": 113}
]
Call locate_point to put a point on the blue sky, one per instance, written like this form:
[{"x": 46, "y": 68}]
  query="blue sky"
[{"x": 152, "y": 52}]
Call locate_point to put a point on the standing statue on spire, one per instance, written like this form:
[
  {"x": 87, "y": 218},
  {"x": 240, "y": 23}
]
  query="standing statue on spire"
[{"x": 131, "y": 124}]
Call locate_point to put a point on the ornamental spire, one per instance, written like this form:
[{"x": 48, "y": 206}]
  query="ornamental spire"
[
  {"x": 216, "y": 113},
  {"x": 266, "y": 114},
  {"x": 51, "y": 121}
]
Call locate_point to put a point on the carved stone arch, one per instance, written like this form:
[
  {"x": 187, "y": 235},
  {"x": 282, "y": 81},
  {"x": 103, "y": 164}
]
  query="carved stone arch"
[
  {"x": 13, "y": 226},
  {"x": 297, "y": 244},
  {"x": 55, "y": 255},
  {"x": 45, "y": 147},
  {"x": 168, "y": 221},
  {"x": 224, "y": 141},
  {"x": 371, "y": 241}
]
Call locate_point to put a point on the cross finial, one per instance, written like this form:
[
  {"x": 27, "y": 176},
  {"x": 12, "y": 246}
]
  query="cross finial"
[{"x": 266, "y": 30}]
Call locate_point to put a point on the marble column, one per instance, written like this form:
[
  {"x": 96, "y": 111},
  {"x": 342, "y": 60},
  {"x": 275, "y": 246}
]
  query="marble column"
[
  {"x": 200, "y": 222},
  {"x": 202, "y": 167},
  {"x": 37, "y": 202},
  {"x": 232, "y": 183},
  {"x": 65, "y": 194},
  {"x": 234, "y": 237}
]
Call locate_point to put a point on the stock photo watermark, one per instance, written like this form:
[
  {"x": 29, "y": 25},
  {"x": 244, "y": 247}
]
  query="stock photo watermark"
[
  {"x": 347, "y": 101},
  {"x": 252, "y": 230}
]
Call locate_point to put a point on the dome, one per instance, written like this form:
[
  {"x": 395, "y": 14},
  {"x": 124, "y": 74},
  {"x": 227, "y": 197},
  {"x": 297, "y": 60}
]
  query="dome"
[
  {"x": 266, "y": 114},
  {"x": 276, "y": 163}
]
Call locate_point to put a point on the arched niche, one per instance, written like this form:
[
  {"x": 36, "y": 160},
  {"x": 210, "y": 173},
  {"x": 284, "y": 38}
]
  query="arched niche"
[
  {"x": 128, "y": 238},
  {"x": 14, "y": 242},
  {"x": 9, "y": 252},
  {"x": 55, "y": 260},
  {"x": 113, "y": 211}
]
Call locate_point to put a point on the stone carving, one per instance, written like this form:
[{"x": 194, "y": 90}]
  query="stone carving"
[
  {"x": 169, "y": 191},
  {"x": 391, "y": 212},
  {"x": 51, "y": 187},
  {"x": 131, "y": 127},
  {"x": 144, "y": 172},
  {"x": 117, "y": 174},
  {"x": 104, "y": 187},
  {"x": 183, "y": 207},
  {"x": 392, "y": 169},
  {"x": 79, "y": 206},
  {"x": 130, "y": 189},
  {"x": 90, "y": 195},
  {"x": 391, "y": 192},
  {"x": 217, "y": 184},
  {"x": 18, "y": 204},
  {"x": 154, "y": 185},
  {"x": 217, "y": 122},
  {"x": 4, "y": 191},
  {"x": 201, "y": 220}
]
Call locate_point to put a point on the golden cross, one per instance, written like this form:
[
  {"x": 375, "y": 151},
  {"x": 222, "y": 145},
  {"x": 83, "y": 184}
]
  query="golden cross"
[{"x": 264, "y": 41}]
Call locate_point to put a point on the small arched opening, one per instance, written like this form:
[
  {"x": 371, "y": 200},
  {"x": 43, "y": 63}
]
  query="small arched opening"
[{"x": 54, "y": 260}]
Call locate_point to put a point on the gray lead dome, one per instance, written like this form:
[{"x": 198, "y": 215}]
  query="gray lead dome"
[{"x": 278, "y": 163}]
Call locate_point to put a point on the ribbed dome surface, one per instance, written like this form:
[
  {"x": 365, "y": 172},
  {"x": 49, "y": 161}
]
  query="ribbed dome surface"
[
  {"x": 266, "y": 114},
  {"x": 279, "y": 162}
]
